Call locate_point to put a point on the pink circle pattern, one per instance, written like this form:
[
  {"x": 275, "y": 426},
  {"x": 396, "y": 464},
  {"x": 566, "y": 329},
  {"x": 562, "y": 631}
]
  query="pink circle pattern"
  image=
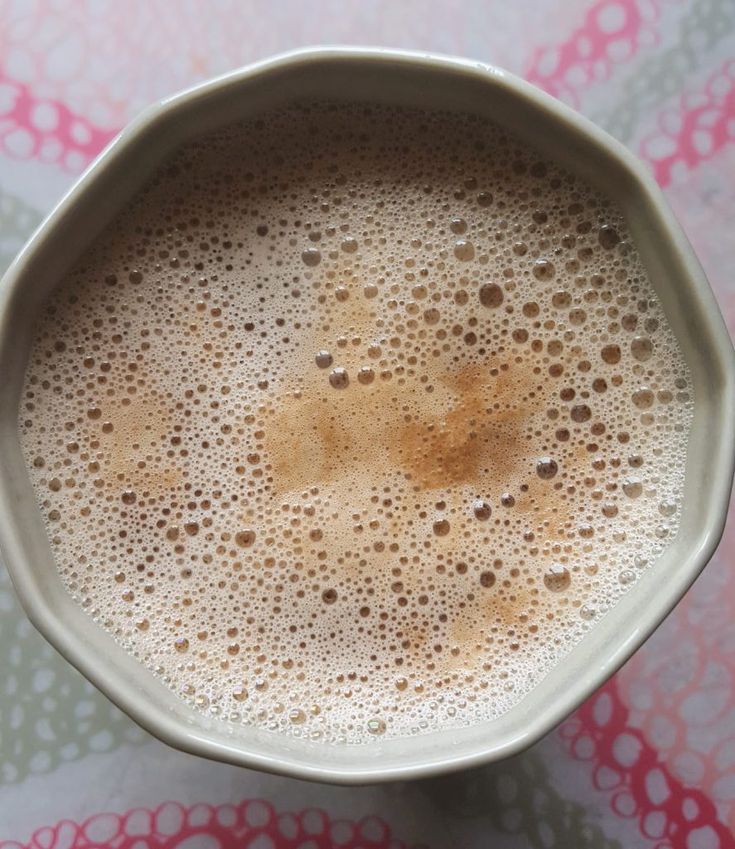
[
  {"x": 627, "y": 768},
  {"x": 695, "y": 128},
  {"x": 33, "y": 128},
  {"x": 679, "y": 691},
  {"x": 612, "y": 31},
  {"x": 252, "y": 824}
]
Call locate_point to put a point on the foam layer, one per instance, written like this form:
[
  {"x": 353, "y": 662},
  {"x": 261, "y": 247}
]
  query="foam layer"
[{"x": 355, "y": 421}]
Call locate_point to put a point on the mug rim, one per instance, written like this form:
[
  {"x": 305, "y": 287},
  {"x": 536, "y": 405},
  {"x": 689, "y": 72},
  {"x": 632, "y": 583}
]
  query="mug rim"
[{"x": 197, "y": 740}]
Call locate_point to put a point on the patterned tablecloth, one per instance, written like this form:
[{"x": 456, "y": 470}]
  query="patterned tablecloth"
[{"x": 649, "y": 760}]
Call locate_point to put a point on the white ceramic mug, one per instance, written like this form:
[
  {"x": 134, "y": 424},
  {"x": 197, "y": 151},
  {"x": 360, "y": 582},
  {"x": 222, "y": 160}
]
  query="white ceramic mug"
[{"x": 413, "y": 79}]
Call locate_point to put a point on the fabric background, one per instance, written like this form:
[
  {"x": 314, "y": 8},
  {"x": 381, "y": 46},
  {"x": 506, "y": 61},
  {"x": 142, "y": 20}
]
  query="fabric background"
[{"x": 649, "y": 760}]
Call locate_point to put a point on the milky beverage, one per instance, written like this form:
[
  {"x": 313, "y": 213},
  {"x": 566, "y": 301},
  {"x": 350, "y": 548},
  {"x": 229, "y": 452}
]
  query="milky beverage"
[{"x": 356, "y": 420}]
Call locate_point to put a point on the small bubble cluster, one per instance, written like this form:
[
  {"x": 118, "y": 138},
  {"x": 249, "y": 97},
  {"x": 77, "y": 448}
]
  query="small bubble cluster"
[{"x": 355, "y": 421}]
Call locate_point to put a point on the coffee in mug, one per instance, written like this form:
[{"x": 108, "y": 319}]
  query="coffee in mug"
[{"x": 356, "y": 420}]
